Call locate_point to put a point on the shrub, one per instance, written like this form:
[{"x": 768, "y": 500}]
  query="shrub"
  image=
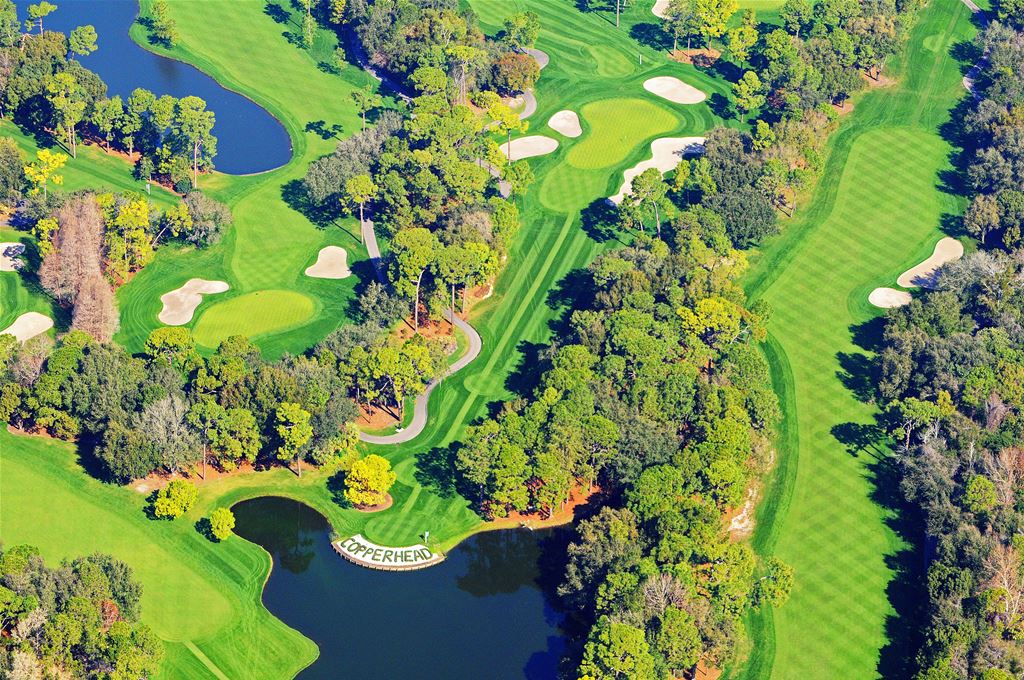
[
  {"x": 222, "y": 521},
  {"x": 369, "y": 480},
  {"x": 175, "y": 499}
]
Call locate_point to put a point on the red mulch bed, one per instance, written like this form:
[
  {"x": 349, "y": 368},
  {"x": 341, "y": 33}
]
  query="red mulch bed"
[{"x": 376, "y": 508}]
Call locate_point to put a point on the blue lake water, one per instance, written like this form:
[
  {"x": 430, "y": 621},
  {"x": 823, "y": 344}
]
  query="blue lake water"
[
  {"x": 249, "y": 139},
  {"x": 479, "y": 614}
]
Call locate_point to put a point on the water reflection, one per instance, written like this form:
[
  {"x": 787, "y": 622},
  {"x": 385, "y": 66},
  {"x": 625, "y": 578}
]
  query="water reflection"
[
  {"x": 480, "y": 614},
  {"x": 249, "y": 139}
]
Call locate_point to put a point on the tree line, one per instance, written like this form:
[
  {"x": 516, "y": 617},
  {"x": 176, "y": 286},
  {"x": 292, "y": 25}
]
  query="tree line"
[
  {"x": 171, "y": 409},
  {"x": 403, "y": 36},
  {"x": 77, "y": 620},
  {"x": 950, "y": 371},
  {"x": 47, "y": 92},
  {"x": 657, "y": 392}
]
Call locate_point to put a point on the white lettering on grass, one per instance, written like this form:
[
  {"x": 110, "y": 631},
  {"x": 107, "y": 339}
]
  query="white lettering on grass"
[{"x": 365, "y": 552}]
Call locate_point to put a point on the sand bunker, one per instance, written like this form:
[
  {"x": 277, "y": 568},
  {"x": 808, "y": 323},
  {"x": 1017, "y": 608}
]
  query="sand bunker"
[
  {"x": 674, "y": 90},
  {"x": 28, "y": 325},
  {"x": 886, "y": 298},
  {"x": 10, "y": 263},
  {"x": 946, "y": 250},
  {"x": 180, "y": 304},
  {"x": 541, "y": 58},
  {"x": 566, "y": 123},
  {"x": 331, "y": 263},
  {"x": 660, "y": 8},
  {"x": 530, "y": 146},
  {"x": 665, "y": 155}
]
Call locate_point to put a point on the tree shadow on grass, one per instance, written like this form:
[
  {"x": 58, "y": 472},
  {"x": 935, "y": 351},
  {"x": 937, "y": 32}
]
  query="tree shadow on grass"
[
  {"x": 906, "y": 592},
  {"x": 435, "y": 470},
  {"x": 861, "y": 438},
  {"x": 726, "y": 70},
  {"x": 859, "y": 374},
  {"x": 205, "y": 529},
  {"x": 336, "y": 488},
  {"x": 523, "y": 380},
  {"x": 651, "y": 35},
  {"x": 294, "y": 194},
  {"x": 575, "y": 290},
  {"x": 600, "y": 221},
  {"x": 325, "y": 131},
  {"x": 721, "y": 106},
  {"x": 868, "y": 335},
  {"x": 276, "y": 12}
]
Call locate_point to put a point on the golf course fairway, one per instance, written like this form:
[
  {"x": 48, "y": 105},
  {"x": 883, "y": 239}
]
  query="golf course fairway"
[{"x": 877, "y": 210}]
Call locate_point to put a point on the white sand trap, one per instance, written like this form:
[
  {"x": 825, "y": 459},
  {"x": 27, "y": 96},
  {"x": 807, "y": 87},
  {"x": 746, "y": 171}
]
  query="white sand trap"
[
  {"x": 331, "y": 263},
  {"x": 674, "y": 90},
  {"x": 946, "y": 250},
  {"x": 28, "y": 326},
  {"x": 541, "y": 58},
  {"x": 530, "y": 146},
  {"x": 566, "y": 123},
  {"x": 180, "y": 304},
  {"x": 886, "y": 298},
  {"x": 665, "y": 155},
  {"x": 660, "y": 8},
  {"x": 8, "y": 264}
]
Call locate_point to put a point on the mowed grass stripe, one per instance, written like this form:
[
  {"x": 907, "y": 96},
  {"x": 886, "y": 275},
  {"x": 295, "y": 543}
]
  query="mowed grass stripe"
[{"x": 877, "y": 207}]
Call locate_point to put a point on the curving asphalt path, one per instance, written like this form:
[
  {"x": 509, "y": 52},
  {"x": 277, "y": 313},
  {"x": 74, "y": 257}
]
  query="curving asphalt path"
[
  {"x": 419, "y": 415},
  {"x": 370, "y": 239},
  {"x": 420, "y": 408}
]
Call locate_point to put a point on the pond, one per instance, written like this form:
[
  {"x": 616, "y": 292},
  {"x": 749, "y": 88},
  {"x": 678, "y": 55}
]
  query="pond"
[
  {"x": 478, "y": 614},
  {"x": 124, "y": 66}
]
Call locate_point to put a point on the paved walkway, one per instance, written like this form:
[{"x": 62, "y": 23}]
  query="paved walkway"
[
  {"x": 972, "y": 74},
  {"x": 420, "y": 415}
]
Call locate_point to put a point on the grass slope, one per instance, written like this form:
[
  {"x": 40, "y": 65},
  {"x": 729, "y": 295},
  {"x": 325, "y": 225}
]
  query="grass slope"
[
  {"x": 268, "y": 250},
  {"x": 272, "y": 242},
  {"x": 877, "y": 210}
]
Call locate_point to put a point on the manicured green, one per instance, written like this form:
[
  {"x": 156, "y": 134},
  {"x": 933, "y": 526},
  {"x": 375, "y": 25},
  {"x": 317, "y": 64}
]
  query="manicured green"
[
  {"x": 877, "y": 210},
  {"x": 615, "y": 128},
  {"x": 252, "y": 315}
]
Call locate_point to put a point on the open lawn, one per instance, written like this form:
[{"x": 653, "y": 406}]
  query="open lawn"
[
  {"x": 268, "y": 250},
  {"x": 831, "y": 513}
]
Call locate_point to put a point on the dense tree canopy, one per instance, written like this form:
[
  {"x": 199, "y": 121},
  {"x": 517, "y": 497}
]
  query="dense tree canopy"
[{"x": 80, "y": 619}]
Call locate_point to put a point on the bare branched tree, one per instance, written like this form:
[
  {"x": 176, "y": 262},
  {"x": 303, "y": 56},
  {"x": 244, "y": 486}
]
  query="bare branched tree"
[
  {"x": 95, "y": 311},
  {"x": 77, "y": 249}
]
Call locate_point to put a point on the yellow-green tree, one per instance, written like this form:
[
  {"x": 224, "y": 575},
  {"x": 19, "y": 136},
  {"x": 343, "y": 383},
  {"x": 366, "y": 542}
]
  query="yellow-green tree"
[
  {"x": 222, "y": 521},
  {"x": 368, "y": 481},
  {"x": 293, "y": 431},
  {"x": 44, "y": 170}
]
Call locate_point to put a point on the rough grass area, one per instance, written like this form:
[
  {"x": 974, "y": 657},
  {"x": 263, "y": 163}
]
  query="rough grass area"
[{"x": 833, "y": 511}]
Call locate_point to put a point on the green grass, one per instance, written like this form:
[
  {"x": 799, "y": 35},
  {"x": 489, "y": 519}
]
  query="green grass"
[
  {"x": 92, "y": 169},
  {"x": 253, "y": 315},
  {"x": 268, "y": 250},
  {"x": 272, "y": 242},
  {"x": 877, "y": 210},
  {"x": 614, "y": 128}
]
